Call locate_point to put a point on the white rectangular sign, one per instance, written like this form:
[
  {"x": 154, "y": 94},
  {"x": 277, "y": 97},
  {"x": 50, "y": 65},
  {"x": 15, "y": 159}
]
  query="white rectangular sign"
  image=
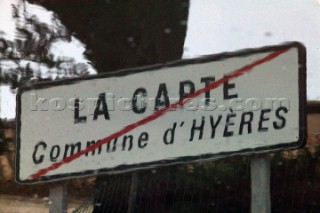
[{"x": 220, "y": 105}]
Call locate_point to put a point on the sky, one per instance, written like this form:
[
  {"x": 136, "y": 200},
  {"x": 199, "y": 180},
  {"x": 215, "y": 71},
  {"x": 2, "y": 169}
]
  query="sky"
[{"x": 217, "y": 26}]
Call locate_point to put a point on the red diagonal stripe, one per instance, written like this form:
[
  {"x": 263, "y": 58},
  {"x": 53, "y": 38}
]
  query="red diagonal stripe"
[{"x": 159, "y": 113}]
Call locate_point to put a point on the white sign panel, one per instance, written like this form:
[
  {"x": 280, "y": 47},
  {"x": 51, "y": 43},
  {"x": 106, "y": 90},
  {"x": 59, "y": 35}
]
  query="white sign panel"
[{"x": 191, "y": 110}]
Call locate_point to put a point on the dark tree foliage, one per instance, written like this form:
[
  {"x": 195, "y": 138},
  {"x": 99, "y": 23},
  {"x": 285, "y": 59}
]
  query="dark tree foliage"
[
  {"x": 2, "y": 144},
  {"x": 125, "y": 33},
  {"x": 122, "y": 34},
  {"x": 26, "y": 57}
]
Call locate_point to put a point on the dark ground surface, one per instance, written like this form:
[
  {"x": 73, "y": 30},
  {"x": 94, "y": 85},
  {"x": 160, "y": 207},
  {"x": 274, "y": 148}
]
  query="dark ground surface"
[{"x": 219, "y": 186}]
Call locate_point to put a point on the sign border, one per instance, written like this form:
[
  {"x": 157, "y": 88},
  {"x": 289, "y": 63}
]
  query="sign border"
[{"x": 187, "y": 159}]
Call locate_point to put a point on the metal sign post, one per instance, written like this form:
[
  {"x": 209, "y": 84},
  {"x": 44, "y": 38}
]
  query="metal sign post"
[
  {"x": 58, "y": 198},
  {"x": 260, "y": 184},
  {"x": 133, "y": 192}
]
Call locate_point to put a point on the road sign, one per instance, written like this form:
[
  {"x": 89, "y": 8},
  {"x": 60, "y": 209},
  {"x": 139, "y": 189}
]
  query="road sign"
[{"x": 191, "y": 110}]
